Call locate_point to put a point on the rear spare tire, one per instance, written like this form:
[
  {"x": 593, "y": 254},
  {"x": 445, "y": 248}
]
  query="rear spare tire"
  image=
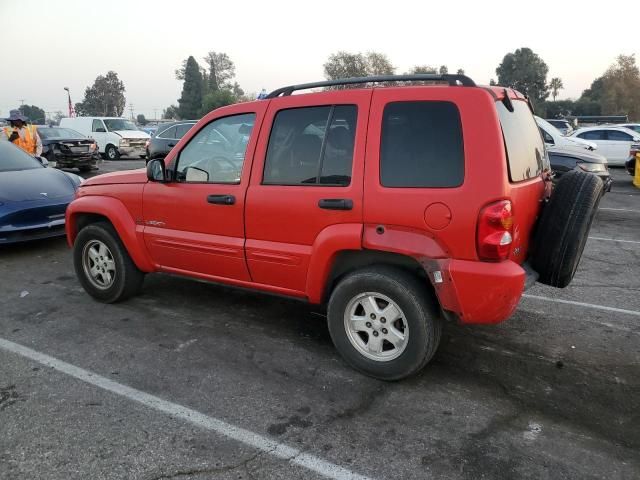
[{"x": 564, "y": 227}]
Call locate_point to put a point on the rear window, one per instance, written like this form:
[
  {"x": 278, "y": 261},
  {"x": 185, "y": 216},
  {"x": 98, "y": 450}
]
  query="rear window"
[
  {"x": 526, "y": 155},
  {"x": 421, "y": 145}
]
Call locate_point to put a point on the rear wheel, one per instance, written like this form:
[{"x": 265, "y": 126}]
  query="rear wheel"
[
  {"x": 103, "y": 265},
  {"x": 564, "y": 227},
  {"x": 384, "y": 322}
]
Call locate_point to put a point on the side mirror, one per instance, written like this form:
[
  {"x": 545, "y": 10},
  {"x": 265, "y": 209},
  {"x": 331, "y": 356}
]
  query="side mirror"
[
  {"x": 101, "y": 130},
  {"x": 43, "y": 161},
  {"x": 156, "y": 171}
]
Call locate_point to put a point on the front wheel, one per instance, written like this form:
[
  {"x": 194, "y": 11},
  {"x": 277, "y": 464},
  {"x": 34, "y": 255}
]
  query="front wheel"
[
  {"x": 103, "y": 265},
  {"x": 111, "y": 153},
  {"x": 384, "y": 322}
]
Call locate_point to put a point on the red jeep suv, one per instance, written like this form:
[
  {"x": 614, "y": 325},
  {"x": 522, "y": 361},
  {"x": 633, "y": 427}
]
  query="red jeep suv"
[{"x": 396, "y": 207}]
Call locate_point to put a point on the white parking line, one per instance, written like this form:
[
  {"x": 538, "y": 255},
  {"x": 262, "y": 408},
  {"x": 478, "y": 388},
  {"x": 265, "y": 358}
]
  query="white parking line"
[
  {"x": 613, "y": 240},
  {"x": 255, "y": 440},
  {"x": 619, "y": 209},
  {"x": 582, "y": 304}
]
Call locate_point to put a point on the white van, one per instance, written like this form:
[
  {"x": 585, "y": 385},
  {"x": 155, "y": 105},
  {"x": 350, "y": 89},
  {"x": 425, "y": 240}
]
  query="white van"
[{"x": 114, "y": 136}]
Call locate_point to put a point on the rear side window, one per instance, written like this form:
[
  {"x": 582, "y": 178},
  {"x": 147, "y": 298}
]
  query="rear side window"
[
  {"x": 181, "y": 130},
  {"x": 168, "y": 133},
  {"x": 311, "y": 146},
  {"x": 619, "y": 136},
  {"x": 526, "y": 155},
  {"x": 421, "y": 145},
  {"x": 593, "y": 135}
]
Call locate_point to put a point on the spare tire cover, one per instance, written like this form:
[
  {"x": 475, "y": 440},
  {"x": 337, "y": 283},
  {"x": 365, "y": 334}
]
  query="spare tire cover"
[{"x": 564, "y": 226}]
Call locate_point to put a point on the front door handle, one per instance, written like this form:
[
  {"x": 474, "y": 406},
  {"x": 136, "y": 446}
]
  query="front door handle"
[
  {"x": 336, "y": 203},
  {"x": 221, "y": 199}
]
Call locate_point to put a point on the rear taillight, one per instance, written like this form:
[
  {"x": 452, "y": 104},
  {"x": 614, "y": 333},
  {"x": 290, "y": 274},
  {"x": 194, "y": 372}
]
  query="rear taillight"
[{"x": 495, "y": 231}]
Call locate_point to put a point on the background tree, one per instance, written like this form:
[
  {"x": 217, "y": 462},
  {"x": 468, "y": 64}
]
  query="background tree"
[
  {"x": 190, "y": 102},
  {"x": 443, "y": 70},
  {"x": 345, "y": 65},
  {"x": 57, "y": 116},
  {"x": 555, "y": 85},
  {"x": 35, "y": 114},
  {"x": 526, "y": 72},
  {"x": 422, "y": 69},
  {"x": 237, "y": 91},
  {"x": 104, "y": 98},
  {"x": 460, "y": 71},
  {"x": 621, "y": 88},
  {"x": 220, "y": 71},
  {"x": 378, "y": 64},
  {"x": 217, "y": 99},
  {"x": 140, "y": 118},
  {"x": 171, "y": 113}
]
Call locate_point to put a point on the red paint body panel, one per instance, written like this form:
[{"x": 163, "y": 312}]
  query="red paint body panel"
[
  {"x": 120, "y": 214},
  {"x": 185, "y": 232},
  {"x": 480, "y": 292},
  {"x": 286, "y": 219}
]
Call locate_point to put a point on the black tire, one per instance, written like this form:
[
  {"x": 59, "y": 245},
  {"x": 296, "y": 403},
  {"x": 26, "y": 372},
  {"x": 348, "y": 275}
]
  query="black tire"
[
  {"x": 111, "y": 153},
  {"x": 127, "y": 279},
  {"x": 564, "y": 226},
  {"x": 85, "y": 168},
  {"x": 421, "y": 314}
]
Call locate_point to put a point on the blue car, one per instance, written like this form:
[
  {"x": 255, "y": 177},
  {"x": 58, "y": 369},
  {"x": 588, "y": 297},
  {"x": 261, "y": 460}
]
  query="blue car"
[{"x": 33, "y": 198}]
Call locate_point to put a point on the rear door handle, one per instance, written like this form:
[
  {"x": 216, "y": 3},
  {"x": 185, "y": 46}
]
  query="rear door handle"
[
  {"x": 336, "y": 203},
  {"x": 221, "y": 199}
]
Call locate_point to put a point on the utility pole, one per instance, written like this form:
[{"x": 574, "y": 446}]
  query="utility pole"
[
  {"x": 155, "y": 114},
  {"x": 131, "y": 109}
]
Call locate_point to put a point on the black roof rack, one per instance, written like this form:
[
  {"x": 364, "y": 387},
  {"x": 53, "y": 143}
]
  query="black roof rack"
[{"x": 453, "y": 80}]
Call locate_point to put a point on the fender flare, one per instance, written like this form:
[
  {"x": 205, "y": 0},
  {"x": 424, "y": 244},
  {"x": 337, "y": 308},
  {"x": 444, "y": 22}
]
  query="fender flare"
[
  {"x": 331, "y": 241},
  {"x": 114, "y": 210}
]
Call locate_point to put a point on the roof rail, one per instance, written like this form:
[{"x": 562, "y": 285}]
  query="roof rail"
[{"x": 453, "y": 80}]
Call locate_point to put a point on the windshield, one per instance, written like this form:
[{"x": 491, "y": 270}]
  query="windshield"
[
  {"x": 59, "y": 133},
  {"x": 119, "y": 124},
  {"x": 13, "y": 158}
]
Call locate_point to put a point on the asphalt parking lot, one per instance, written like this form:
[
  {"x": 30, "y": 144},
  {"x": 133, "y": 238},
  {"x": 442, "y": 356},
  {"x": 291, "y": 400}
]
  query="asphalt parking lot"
[{"x": 197, "y": 381}]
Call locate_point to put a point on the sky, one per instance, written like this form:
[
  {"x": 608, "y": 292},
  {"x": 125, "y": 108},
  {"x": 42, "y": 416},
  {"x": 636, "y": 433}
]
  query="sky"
[{"x": 49, "y": 45}]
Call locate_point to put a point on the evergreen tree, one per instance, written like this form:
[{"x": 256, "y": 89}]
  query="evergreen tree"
[{"x": 190, "y": 102}]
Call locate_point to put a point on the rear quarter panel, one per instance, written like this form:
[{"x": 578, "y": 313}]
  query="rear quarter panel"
[{"x": 485, "y": 177}]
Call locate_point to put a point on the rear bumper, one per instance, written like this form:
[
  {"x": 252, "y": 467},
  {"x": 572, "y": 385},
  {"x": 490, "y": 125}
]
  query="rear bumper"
[{"x": 481, "y": 292}]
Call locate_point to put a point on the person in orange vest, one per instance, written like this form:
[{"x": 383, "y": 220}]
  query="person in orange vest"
[{"x": 21, "y": 134}]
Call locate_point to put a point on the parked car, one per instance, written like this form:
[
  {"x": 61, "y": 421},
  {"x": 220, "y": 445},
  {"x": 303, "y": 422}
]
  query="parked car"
[
  {"x": 613, "y": 142},
  {"x": 167, "y": 136},
  {"x": 66, "y": 148},
  {"x": 395, "y": 207},
  {"x": 564, "y": 160},
  {"x": 564, "y": 126},
  {"x": 553, "y": 137},
  {"x": 33, "y": 198},
  {"x": 632, "y": 126},
  {"x": 115, "y": 136}
]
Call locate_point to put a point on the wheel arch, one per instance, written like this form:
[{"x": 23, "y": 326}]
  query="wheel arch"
[{"x": 92, "y": 209}]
